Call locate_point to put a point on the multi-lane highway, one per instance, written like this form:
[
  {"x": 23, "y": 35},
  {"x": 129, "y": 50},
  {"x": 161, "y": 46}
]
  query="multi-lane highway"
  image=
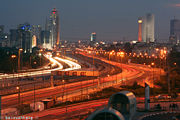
[
  {"x": 26, "y": 80},
  {"x": 54, "y": 64},
  {"x": 131, "y": 72}
]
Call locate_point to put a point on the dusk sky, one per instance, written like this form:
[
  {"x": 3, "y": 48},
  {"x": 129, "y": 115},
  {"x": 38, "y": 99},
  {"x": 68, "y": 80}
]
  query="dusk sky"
[{"x": 110, "y": 19}]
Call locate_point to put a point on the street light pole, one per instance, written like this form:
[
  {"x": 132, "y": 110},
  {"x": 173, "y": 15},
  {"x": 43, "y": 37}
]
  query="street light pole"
[
  {"x": 152, "y": 64},
  {"x": 168, "y": 77},
  {"x": 93, "y": 68},
  {"x": 19, "y": 58},
  {"x": 19, "y": 102},
  {"x": 13, "y": 63},
  {"x": 66, "y": 102},
  {"x": 63, "y": 90},
  {"x": 34, "y": 97},
  {"x": 41, "y": 57},
  {"x": 121, "y": 55}
]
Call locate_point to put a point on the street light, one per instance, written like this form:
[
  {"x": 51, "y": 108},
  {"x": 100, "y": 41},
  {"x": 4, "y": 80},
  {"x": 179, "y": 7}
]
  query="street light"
[
  {"x": 34, "y": 97},
  {"x": 41, "y": 56},
  {"x": 63, "y": 89},
  {"x": 121, "y": 54},
  {"x": 19, "y": 58},
  {"x": 152, "y": 64},
  {"x": 18, "y": 88},
  {"x": 13, "y": 57}
]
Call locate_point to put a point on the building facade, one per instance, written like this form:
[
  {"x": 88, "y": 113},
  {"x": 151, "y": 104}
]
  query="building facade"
[
  {"x": 36, "y": 33},
  {"x": 174, "y": 31},
  {"x": 52, "y": 25},
  {"x": 4, "y": 38},
  {"x": 147, "y": 28},
  {"x": 93, "y": 39}
]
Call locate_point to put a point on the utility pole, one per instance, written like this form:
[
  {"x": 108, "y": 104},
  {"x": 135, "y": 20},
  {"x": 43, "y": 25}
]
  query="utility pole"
[
  {"x": 34, "y": 97},
  {"x": 52, "y": 80},
  {"x": 0, "y": 107},
  {"x": 168, "y": 78}
]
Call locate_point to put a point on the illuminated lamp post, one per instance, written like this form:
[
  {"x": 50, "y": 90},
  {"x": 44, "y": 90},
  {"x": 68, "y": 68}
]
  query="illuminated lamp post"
[
  {"x": 34, "y": 97},
  {"x": 19, "y": 102},
  {"x": 19, "y": 58},
  {"x": 41, "y": 56},
  {"x": 93, "y": 68},
  {"x": 110, "y": 58},
  {"x": 152, "y": 64},
  {"x": 121, "y": 54},
  {"x": 63, "y": 89},
  {"x": 13, "y": 57}
]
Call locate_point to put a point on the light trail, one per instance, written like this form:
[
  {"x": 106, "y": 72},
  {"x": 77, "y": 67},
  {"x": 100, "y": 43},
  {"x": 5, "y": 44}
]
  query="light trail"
[
  {"x": 72, "y": 65},
  {"x": 54, "y": 63}
]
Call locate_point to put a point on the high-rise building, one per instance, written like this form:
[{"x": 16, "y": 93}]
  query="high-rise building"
[
  {"x": 174, "y": 31},
  {"x": 1, "y": 29},
  {"x": 45, "y": 38},
  {"x": 53, "y": 27},
  {"x": 36, "y": 31},
  {"x": 93, "y": 37},
  {"x": 13, "y": 38},
  {"x": 147, "y": 28},
  {"x": 4, "y": 38},
  {"x": 25, "y": 37}
]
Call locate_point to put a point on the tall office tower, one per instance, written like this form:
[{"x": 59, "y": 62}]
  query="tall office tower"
[
  {"x": 93, "y": 39},
  {"x": 53, "y": 26},
  {"x": 36, "y": 31},
  {"x": 174, "y": 31},
  {"x": 148, "y": 28},
  {"x": 34, "y": 41},
  {"x": 13, "y": 38},
  {"x": 45, "y": 34},
  {"x": 1, "y": 29},
  {"x": 4, "y": 38},
  {"x": 140, "y": 30},
  {"x": 25, "y": 37}
]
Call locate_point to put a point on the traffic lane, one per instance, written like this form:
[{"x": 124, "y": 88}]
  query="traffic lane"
[
  {"x": 51, "y": 92},
  {"x": 81, "y": 108},
  {"x": 61, "y": 111},
  {"x": 132, "y": 73},
  {"x": 43, "y": 94}
]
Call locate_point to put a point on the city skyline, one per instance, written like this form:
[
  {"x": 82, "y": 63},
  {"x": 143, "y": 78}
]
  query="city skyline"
[{"x": 115, "y": 20}]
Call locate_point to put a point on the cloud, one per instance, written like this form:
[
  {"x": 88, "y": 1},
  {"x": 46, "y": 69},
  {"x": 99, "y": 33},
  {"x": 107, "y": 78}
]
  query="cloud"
[{"x": 175, "y": 5}]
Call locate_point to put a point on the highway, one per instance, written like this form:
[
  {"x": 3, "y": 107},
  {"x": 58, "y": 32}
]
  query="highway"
[
  {"x": 133, "y": 72},
  {"x": 39, "y": 77},
  {"x": 73, "y": 112},
  {"x": 130, "y": 73},
  {"x": 54, "y": 64}
]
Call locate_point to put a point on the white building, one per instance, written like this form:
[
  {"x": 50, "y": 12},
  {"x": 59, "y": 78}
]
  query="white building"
[{"x": 148, "y": 28}]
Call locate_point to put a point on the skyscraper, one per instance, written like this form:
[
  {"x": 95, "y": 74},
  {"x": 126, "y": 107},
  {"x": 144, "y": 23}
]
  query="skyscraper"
[
  {"x": 24, "y": 37},
  {"x": 148, "y": 28},
  {"x": 1, "y": 29},
  {"x": 174, "y": 31},
  {"x": 53, "y": 27},
  {"x": 45, "y": 38},
  {"x": 4, "y": 38},
  {"x": 93, "y": 39},
  {"x": 36, "y": 31},
  {"x": 14, "y": 38}
]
